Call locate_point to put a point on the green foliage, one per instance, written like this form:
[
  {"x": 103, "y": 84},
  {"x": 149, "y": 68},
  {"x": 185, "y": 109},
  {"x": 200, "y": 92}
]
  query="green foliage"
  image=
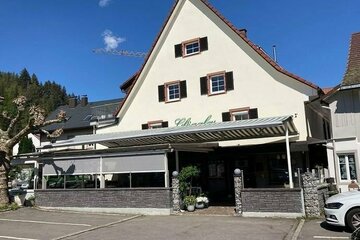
[
  {"x": 26, "y": 146},
  {"x": 9, "y": 207},
  {"x": 189, "y": 200},
  {"x": 14, "y": 171},
  {"x": 186, "y": 176},
  {"x": 48, "y": 95}
]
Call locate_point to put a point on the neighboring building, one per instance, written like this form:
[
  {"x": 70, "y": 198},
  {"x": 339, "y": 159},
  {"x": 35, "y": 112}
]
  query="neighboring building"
[
  {"x": 344, "y": 104},
  {"x": 205, "y": 96},
  {"x": 83, "y": 118}
]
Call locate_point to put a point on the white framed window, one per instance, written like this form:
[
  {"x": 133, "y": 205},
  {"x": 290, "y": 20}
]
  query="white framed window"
[
  {"x": 347, "y": 167},
  {"x": 217, "y": 83},
  {"x": 191, "y": 47},
  {"x": 239, "y": 114},
  {"x": 172, "y": 91}
]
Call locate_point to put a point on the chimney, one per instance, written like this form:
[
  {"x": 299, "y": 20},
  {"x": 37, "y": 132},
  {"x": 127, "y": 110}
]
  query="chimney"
[
  {"x": 84, "y": 100},
  {"x": 72, "y": 102},
  {"x": 243, "y": 32}
]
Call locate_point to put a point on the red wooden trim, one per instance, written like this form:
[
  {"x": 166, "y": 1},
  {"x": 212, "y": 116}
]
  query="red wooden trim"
[
  {"x": 184, "y": 55},
  {"x": 209, "y": 76},
  {"x": 235, "y": 110},
  {"x": 166, "y": 91}
]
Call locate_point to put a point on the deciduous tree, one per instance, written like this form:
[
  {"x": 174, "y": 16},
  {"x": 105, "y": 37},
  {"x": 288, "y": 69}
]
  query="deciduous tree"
[{"x": 11, "y": 134}]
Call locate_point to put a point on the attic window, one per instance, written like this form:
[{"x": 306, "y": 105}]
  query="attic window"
[{"x": 191, "y": 47}]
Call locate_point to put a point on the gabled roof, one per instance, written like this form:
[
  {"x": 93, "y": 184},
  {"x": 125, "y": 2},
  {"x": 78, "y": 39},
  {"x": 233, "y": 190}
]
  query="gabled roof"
[
  {"x": 352, "y": 75},
  {"x": 81, "y": 116},
  {"x": 127, "y": 85}
]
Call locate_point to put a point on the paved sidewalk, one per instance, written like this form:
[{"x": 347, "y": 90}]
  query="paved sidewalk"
[
  {"x": 33, "y": 224},
  {"x": 319, "y": 229}
]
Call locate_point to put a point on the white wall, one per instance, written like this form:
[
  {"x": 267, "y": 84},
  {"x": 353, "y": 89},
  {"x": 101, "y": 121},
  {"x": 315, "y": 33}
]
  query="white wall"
[
  {"x": 343, "y": 146},
  {"x": 256, "y": 83}
]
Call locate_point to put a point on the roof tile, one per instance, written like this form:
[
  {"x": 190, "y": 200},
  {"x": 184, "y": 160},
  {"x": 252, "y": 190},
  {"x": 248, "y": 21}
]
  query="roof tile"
[{"x": 352, "y": 74}]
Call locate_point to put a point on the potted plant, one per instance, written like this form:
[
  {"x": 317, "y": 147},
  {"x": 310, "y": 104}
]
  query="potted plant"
[
  {"x": 202, "y": 202},
  {"x": 190, "y": 202},
  {"x": 186, "y": 176}
]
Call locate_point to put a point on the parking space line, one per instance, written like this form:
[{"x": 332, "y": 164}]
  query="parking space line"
[
  {"x": 16, "y": 238},
  {"x": 97, "y": 227},
  {"x": 42, "y": 222},
  {"x": 328, "y": 237}
]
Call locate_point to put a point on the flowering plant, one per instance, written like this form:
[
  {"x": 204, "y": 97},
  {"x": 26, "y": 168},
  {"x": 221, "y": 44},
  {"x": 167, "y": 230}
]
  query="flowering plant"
[{"x": 202, "y": 199}]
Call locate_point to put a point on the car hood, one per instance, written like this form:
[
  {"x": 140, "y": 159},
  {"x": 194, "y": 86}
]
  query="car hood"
[{"x": 344, "y": 196}]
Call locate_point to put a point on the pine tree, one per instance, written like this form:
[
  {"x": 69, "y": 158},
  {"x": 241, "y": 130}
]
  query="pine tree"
[{"x": 26, "y": 146}]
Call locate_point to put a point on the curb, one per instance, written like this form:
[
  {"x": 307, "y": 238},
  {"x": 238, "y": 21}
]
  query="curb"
[{"x": 294, "y": 232}]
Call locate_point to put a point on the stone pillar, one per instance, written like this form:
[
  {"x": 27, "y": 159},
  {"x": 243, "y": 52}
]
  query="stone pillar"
[
  {"x": 311, "y": 197},
  {"x": 176, "y": 191},
  {"x": 238, "y": 187}
]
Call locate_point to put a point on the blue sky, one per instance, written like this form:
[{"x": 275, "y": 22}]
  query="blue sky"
[{"x": 54, "y": 38}]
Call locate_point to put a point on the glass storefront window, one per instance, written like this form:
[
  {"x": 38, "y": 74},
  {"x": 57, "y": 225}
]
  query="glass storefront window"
[
  {"x": 117, "y": 180},
  {"x": 156, "y": 179},
  {"x": 72, "y": 181},
  {"x": 81, "y": 181},
  {"x": 54, "y": 182}
]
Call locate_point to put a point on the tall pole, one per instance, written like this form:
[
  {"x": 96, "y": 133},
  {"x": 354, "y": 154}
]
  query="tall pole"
[{"x": 291, "y": 183}]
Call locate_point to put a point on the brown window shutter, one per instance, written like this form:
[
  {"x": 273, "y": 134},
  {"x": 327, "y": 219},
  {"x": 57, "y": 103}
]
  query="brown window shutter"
[
  {"x": 183, "y": 91},
  {"x": 144, "y": 126},
  {"x": 203, "y": 85},
  {"x": 226, "y": 116},
  {"x": 203, "y": 44},
  {"x": 253, "y": 113},
  {"x": 178, "y": 50},
  {"x": 165, "y": 124},
  {"x": 229, "y": 81},
  {"x": 161, "y": 90}
]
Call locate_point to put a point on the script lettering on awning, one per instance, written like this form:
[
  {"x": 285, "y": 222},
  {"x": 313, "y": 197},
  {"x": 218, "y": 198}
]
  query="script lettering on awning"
[{"x": 182, "y": 122}]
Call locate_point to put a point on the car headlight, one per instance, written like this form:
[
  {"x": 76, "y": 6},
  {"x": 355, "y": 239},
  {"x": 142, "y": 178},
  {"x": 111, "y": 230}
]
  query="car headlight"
[{"x": 335, "y": 205}]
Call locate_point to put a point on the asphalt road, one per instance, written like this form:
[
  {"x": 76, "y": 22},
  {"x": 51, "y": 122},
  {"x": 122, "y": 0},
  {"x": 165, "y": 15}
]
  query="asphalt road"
[{"x": 34, "y": 224}]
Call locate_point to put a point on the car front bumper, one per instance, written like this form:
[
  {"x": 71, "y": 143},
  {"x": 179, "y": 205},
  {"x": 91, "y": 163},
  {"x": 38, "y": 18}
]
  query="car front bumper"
[{"x": 335, "y": 217}]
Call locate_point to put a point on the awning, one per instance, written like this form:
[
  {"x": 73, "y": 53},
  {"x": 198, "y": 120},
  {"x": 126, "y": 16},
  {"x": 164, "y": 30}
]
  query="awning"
[{"x": 222, "y": 131}]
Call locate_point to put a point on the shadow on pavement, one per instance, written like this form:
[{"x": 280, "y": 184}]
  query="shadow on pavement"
[{"x": 329, "y": 227}]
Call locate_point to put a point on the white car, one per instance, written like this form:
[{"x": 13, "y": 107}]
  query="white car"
[{"x": 343, "y": 209}]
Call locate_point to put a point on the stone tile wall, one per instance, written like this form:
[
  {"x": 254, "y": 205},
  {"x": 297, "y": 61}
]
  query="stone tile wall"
[
  {"x": 105, "y": 198},
  {"x": 280, "y": 200}
]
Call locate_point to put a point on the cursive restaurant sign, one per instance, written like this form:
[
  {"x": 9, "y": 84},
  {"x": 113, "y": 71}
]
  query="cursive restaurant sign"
[{"x": 182, "y": 122}]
